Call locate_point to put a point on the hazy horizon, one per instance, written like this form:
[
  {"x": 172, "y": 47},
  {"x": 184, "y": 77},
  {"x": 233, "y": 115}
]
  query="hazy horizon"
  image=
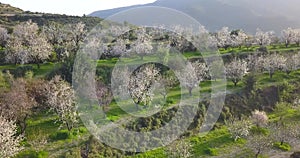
[{"x": 74, "y": 7}]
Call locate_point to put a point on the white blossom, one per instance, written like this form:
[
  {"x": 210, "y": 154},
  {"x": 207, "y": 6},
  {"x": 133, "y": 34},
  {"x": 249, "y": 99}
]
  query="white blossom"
[
  {"x": 61, "y": 99},
  {"x": 9, "y": 140},
  {"x": 259, "y": 118},
  {"x": 236, "y": 70},
  {"x": 263, "y": 38},
  {"x": 141, "y": 82}
]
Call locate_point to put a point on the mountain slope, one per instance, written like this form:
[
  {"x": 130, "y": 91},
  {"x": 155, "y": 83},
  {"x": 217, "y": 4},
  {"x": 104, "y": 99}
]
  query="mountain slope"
[
  {"x": 11, "y": 16},
  {"x": 246, "y": 14},
  {"x": 8, "y": 9}
]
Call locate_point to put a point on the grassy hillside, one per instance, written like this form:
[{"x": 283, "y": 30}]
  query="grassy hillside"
[
  {"x": 44, "y": 138},
  {"x": 11, "y": 16},
  {"x": 47, "y": 135},
  {"x": 9, "y": 10}
]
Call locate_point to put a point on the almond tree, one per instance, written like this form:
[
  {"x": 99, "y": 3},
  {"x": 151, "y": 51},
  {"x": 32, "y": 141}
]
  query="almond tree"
[
  {"x": 201, "y": 70},
  {"x": 297, "y": 37},
  {"x": 236, "y": 70},
  {"x": 37, "y": 89},
  {"x": 65, "y": 39},
  {"x": 16, "y": 104},
  {"x": 216, "y": 70},
  {"x": 74, "y": 36},
  {"x": 284, "y": 132},
  {"x": 240, "y": 38},
  {"x": 9, "y": 140},
  {"x": 255, "y": 63},
  {"x": 188, "y": 78},
  {"x": 263, "y": 38},
  {"x": 61, "y": 100},
  {"x": 142, "y": 45},
  {"x": 249, "y": 41},
  {"x": 119, "y": 48},
  {"x": 141, "y": 82},
  {"x": 259, "y": 118},
  {"x": 14, "y": 51},
  {"x": 224, "y": 38},
  {"x": 103, "y": 94},
  {"x": 239, "y": 128},
  {"x": 180, "y": 148},
  {"x": 39, "y": 50},
  {"x": 168, "y": 80},
  {"x": 26, "y": 44},
  {"x": 180, "y": 36},
  {"x": 288, "y": 36},
  {"x": 120, "y": 84},
  {"x": 259, "y": 143},
  {"x": 291, "y": 63},
  {"x": 55, "y": 33},
  {"x": 3, "y": 36},
  {"x": 273, "y": 62}
]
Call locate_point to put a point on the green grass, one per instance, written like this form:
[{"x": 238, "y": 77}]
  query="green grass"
[
  {"x": 156, "y": 153},
  {"x": 273, "y": 48},
  {"x": 279, "y": 77},
  {"x": 42, "y": 72},
  {"x": 41, "y": 126},
  {"x": 115, "y": 112},
  {"x": 215, "y": 141},
  {"x": 175, "y": 94}
]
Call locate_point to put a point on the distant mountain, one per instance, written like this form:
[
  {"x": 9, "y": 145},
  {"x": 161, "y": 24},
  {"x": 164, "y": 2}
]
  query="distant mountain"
[{"x": 236, "y": 14}]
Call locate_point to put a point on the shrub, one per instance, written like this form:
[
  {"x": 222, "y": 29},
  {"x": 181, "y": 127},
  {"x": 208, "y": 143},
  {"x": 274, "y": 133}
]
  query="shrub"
[
  {"x": 212, "y": 151},
  {"x": 263, "y": 49},
  {"x": 82, "y": 130},
  {"x": 170, "y": 101},
  {"x": 61, "y": 135},
  {"x": 73, "y": 153},
  {"x": 32, "y": 154},
  {"x": 259, "y": 130},
  {"x": 259, "y": 118},
  {"x": 283, "y": 147},
  {"x": 21, "y": 71}
]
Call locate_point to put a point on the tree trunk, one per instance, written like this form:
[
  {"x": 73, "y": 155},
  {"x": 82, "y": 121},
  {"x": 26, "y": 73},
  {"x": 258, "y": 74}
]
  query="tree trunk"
[
  {"x": 271, "y": 75},
  {"x": 103, "y": 109},
  {"x": 137, "y": 106},
  {"x": 38, "y": 65},
  {"x": 164, "y": 95},
  {"x": 69, "y": 127},
  {"x": 257, "y": 154},
  {"x": 190, "y": 91},
  {"x": 22, "y": 124},
  {"x": 85, "y": 152},
  {"x": 235, "y": 81}
]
